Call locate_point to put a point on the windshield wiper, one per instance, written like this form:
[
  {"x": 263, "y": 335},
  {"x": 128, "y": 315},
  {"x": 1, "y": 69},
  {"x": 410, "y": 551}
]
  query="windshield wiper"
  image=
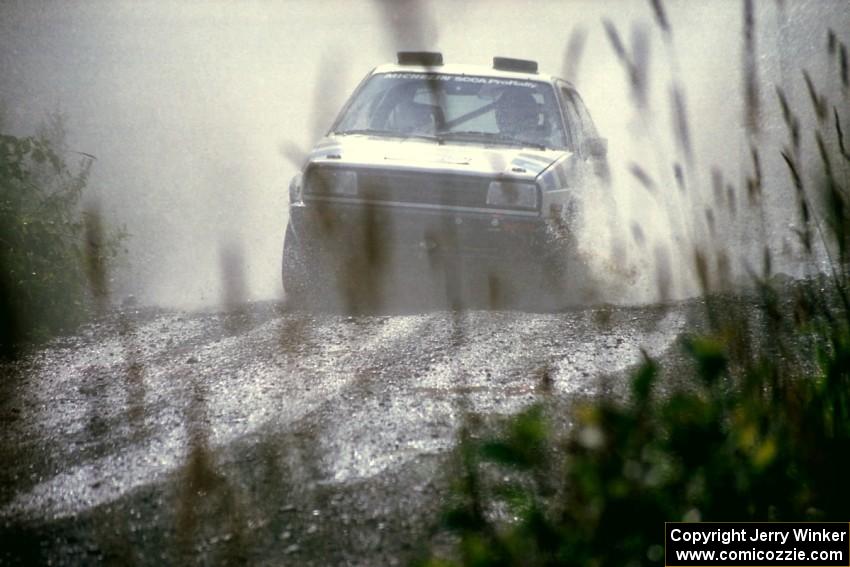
[
  {"x": 495, "y": 137},
  {"x": 390, "y": 133}
]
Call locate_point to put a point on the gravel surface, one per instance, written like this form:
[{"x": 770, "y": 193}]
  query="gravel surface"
[{"x": 278, "y": 437}]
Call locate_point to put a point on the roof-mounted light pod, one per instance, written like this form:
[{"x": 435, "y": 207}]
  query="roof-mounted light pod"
[
  {"x": 424, "y": 58},
  {"x": 519, "y": 65}
]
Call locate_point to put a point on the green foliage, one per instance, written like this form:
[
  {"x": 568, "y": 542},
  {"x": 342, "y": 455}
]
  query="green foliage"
[
  {"x": 524, "y": 442},
  {"x": 43, "y": 249},
  {"x": 757, "y": 439}
]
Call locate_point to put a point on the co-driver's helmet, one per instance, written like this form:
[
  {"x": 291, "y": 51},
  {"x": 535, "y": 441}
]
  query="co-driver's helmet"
[{"x": 517, "y": 111}]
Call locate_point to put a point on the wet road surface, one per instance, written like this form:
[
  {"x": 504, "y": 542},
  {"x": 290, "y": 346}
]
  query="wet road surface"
[{"x": 279, "y": 437}]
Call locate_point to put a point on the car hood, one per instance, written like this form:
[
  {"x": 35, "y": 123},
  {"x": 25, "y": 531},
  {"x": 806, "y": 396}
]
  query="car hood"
[{"x": 419, "y": 154}]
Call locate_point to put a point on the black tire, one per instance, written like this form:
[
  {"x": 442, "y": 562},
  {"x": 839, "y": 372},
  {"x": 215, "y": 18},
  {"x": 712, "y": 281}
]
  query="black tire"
[
  {"x": 563, "y": 275},
  {"x": 294, "y": 270},
  {"x": 308, "y": 275}
]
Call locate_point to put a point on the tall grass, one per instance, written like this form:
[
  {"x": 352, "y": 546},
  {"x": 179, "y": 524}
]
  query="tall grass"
[{"x": 761, "y": 432}]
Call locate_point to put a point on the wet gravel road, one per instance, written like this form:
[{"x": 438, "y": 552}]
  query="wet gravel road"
[{"x": 278, "y": 437}]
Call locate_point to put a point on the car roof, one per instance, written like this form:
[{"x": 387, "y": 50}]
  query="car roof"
[{"x": 462, "y": 69}]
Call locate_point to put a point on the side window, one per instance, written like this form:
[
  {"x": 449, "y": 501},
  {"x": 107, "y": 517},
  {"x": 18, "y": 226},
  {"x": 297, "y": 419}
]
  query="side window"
[
  {"x": 586, "y": 122},
  {"x": 581, "y": 124},
  {"x": 574, "y": 123}
]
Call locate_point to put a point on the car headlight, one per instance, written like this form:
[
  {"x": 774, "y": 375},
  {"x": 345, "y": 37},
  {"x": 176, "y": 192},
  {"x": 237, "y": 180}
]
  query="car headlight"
[
  {"x": 512, "y": 194},
  {"x": 332, "y": 181}
]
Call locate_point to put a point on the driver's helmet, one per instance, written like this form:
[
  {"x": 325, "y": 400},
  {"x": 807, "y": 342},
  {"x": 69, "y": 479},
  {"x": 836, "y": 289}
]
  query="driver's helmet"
[{"x": 517, "y": 111}]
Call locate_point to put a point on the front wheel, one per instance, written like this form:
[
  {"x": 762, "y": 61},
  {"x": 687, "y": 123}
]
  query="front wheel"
[
  {"x": 310, "y": 273},
  {"x": 565, "y": 276},
  {"x": 295, "y": 272}
]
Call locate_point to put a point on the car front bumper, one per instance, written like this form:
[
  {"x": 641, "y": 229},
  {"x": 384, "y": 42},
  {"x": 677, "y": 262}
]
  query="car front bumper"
[{"x": 434, "y": 232}]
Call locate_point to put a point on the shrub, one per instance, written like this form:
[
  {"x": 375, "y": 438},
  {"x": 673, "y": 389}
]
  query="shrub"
[
  {"x": 47, "y": 245},
  {"x": 757, "y": 439}
]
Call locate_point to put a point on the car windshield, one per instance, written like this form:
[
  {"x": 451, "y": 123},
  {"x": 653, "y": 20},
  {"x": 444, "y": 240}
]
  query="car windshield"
[{"x": 462, "y": 108}]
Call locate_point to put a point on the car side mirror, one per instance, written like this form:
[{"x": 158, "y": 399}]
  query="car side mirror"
[{"x": 595, "y": 147}]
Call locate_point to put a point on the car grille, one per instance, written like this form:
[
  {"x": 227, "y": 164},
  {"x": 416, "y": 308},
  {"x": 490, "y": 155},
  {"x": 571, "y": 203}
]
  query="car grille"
[
  {"x": 415, "y": 188},
  {"x": 445, "y": 190}
]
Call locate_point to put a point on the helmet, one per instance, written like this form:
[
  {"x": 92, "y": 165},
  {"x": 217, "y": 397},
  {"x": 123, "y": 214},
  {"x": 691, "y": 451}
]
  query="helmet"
[{"x": 517, "y": 111}]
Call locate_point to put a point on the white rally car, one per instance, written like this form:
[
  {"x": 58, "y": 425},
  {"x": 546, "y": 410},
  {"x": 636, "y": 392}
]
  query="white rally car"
[{"x": 434, "y": 176}]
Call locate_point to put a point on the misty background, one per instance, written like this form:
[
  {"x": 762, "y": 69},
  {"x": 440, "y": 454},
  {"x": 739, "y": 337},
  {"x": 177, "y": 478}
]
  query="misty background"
[{"x": 196, "y": 112}]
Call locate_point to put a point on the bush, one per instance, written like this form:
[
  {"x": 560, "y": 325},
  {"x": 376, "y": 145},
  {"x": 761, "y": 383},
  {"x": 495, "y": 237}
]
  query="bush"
[
  {"x": 50, "y": 250},
  {"x": 757, "y": 439}
]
